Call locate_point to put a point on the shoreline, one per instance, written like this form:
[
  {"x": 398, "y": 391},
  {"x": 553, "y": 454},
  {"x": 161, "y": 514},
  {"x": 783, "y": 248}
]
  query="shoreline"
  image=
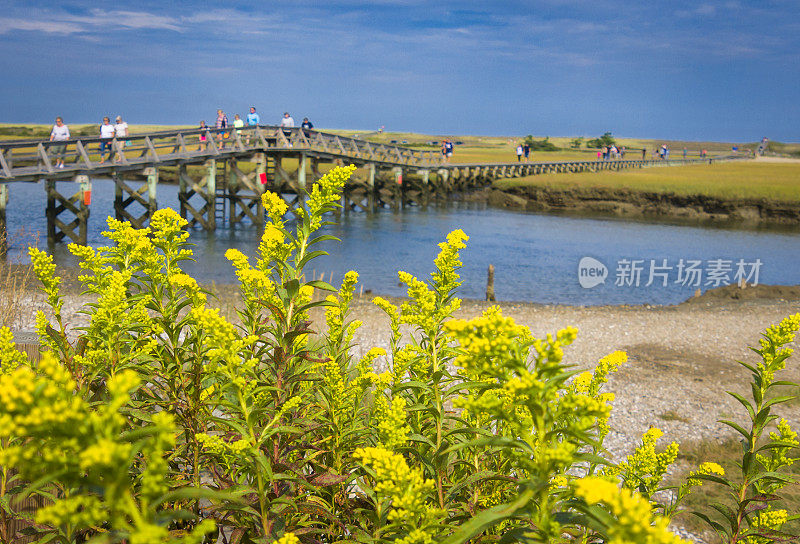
[{"x": 698, "y": 210}]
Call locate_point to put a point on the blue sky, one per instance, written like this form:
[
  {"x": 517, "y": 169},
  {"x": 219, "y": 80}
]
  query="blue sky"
[{"x": 727, "y": 70}]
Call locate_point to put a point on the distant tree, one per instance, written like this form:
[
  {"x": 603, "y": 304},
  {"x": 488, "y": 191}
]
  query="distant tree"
[
  {"x": 540, "y": 145},
  {"x": 576, "y": 143},
  {"x": 602, "y": 141}
]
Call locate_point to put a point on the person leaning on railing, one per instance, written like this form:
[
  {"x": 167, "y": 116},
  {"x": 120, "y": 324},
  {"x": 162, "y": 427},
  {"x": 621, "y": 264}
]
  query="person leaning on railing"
[{"x": 60, "y": 133}]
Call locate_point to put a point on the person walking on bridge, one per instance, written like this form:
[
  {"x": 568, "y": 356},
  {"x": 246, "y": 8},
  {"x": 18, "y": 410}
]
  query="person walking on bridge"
[
  {"x": 203, "y": 136},
  {"x": 221, "y": 125},
  {"x": 307, "y": 126},
  {"x": 287, "y": 123},
  {"x": 60, "y": 133},
  {"x": 120, "y": 133},
  {"x": 238, "y": 124},
  {"x": 253, "y": 120},
  {"x": 519, "y": 152},
  {"x": 107, "y": 132}
]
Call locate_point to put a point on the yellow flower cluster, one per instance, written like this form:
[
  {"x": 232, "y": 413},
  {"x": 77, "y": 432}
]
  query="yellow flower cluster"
[
  {"x": 549, "y": 351},
  {"x": 222, "y": 341},
  {"x": 491, "y": 344},
  {"x": 704, "y": 469},
  {"x": 273, "y": 248},
  {"x": 446, "y": 279},
  {"x": 779, "y": 456},
  {"x": 391, "y": 421},
  {"x": 10, "y": 356},
  {"x": 771, "y": 520},
  {"x": 167, "y": 224},
  {"x": 773, "y": 354},
  {"x": 326, "y": 192},
  {"x": 410, "y": 513},
  {"x": 229, "y": 453},
  {"x": 134, "y": 251},
  {"x": 632, "y": 513},
  {"x": 29, "y": 403},
  {"x": 405, "y": 360},
  {"x": 45, "y": 268},
  {"x": 275, "y": 206},
  {"x": 82, "y": 511},
  {"x": 421, "y": 309},
  {"x": 288, "y": 538},
  {"x": 591, "y": 383},
  {"x": 340, "y": 334},
  {"x": 429, "y": 306},
  {"x": 644, "y": 468},
  {"x": 187, "y": 284}
]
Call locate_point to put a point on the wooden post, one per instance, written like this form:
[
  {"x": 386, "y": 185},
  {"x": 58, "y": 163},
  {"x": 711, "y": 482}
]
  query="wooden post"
[
  {"x": 301, "y": 172},
  {"x": 261, "y": 166},
  {"x": 211, "y": 194},
  {"x": 371, "y": 186},
  {"x": 83, "y": 215},
  {"x": 3, "y": 224},
  {"x": 28, "y": 343},
  {"x": 490, "y": 284},
  {"x": 398, "y": 179},
  {"x": 152, "y": 183},
  {"x": 182, "y": 175},
  {"x": 50, "y": 211}
]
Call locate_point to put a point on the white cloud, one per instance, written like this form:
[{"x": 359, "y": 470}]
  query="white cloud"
[
  {"x": 96, "y": 20},
  {"x": 9, "y": 24}
]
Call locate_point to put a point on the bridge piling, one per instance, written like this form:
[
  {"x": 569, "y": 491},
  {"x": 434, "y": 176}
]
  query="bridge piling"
[
  {"x": 206, "y": 188},
  {"x": 244, "y": 193},
  {"x": 3, "y": 224},
  {"x": 77, "y": 205},
  {"x": 124, "y": 196}
]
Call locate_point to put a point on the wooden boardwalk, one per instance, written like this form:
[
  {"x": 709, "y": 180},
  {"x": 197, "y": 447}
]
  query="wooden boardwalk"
[{"x": 216, "y": 187}]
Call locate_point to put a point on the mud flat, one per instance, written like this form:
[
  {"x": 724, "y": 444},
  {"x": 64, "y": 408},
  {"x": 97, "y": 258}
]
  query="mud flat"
[{"x": 627, "y": 203}]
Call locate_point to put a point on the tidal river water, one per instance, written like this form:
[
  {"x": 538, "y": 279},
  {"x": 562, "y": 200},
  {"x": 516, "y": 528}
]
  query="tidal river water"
[{"x": 537, "y": 258}]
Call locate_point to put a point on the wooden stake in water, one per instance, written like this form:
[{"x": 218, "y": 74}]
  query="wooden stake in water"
[{"x": 490, "y": 284}]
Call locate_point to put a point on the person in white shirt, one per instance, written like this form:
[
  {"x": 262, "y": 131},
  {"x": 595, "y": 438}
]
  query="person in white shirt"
[
  {"x": 60, "y": 133},
  {"x": 287, "y": 120},
  {"x": 287, "y": 123},
  {"x": 107, "y": 132},
  {"x": 519, "y": 152},
  {"x": 120, "y": 132}
]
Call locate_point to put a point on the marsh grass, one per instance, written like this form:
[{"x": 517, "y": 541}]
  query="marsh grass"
[
  {"x": 727, "y": 454},
  {"x": 734, "y": 180},
  {"x": 672, "y": 415},
  {"x": 15, "y": 281}
]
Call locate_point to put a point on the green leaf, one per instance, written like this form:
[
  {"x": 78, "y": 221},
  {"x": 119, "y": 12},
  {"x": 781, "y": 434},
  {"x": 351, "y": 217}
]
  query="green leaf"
[
  {"x": 474, "y": 479},
  {"x": 489, "y": 518},
  {"x": 714, "y": 478},
  {"x": 736, "y": 427},
  {"x": 718, "y": 528},
  {"x": 744, "y": 402}
]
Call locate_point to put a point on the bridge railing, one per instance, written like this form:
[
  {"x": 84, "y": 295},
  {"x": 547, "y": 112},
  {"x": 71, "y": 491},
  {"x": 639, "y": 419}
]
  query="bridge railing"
[{"x": 28, "y": 158}]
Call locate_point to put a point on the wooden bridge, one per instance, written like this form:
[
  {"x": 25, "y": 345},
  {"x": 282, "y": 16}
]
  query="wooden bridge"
[{"x": 223, "y": 173}]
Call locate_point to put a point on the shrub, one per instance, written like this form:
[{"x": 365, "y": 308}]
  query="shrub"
[
  {"x": 540, "y": 145},
  {"x": 605, "y": 140},
  {"x": 161, "y": 421}
]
